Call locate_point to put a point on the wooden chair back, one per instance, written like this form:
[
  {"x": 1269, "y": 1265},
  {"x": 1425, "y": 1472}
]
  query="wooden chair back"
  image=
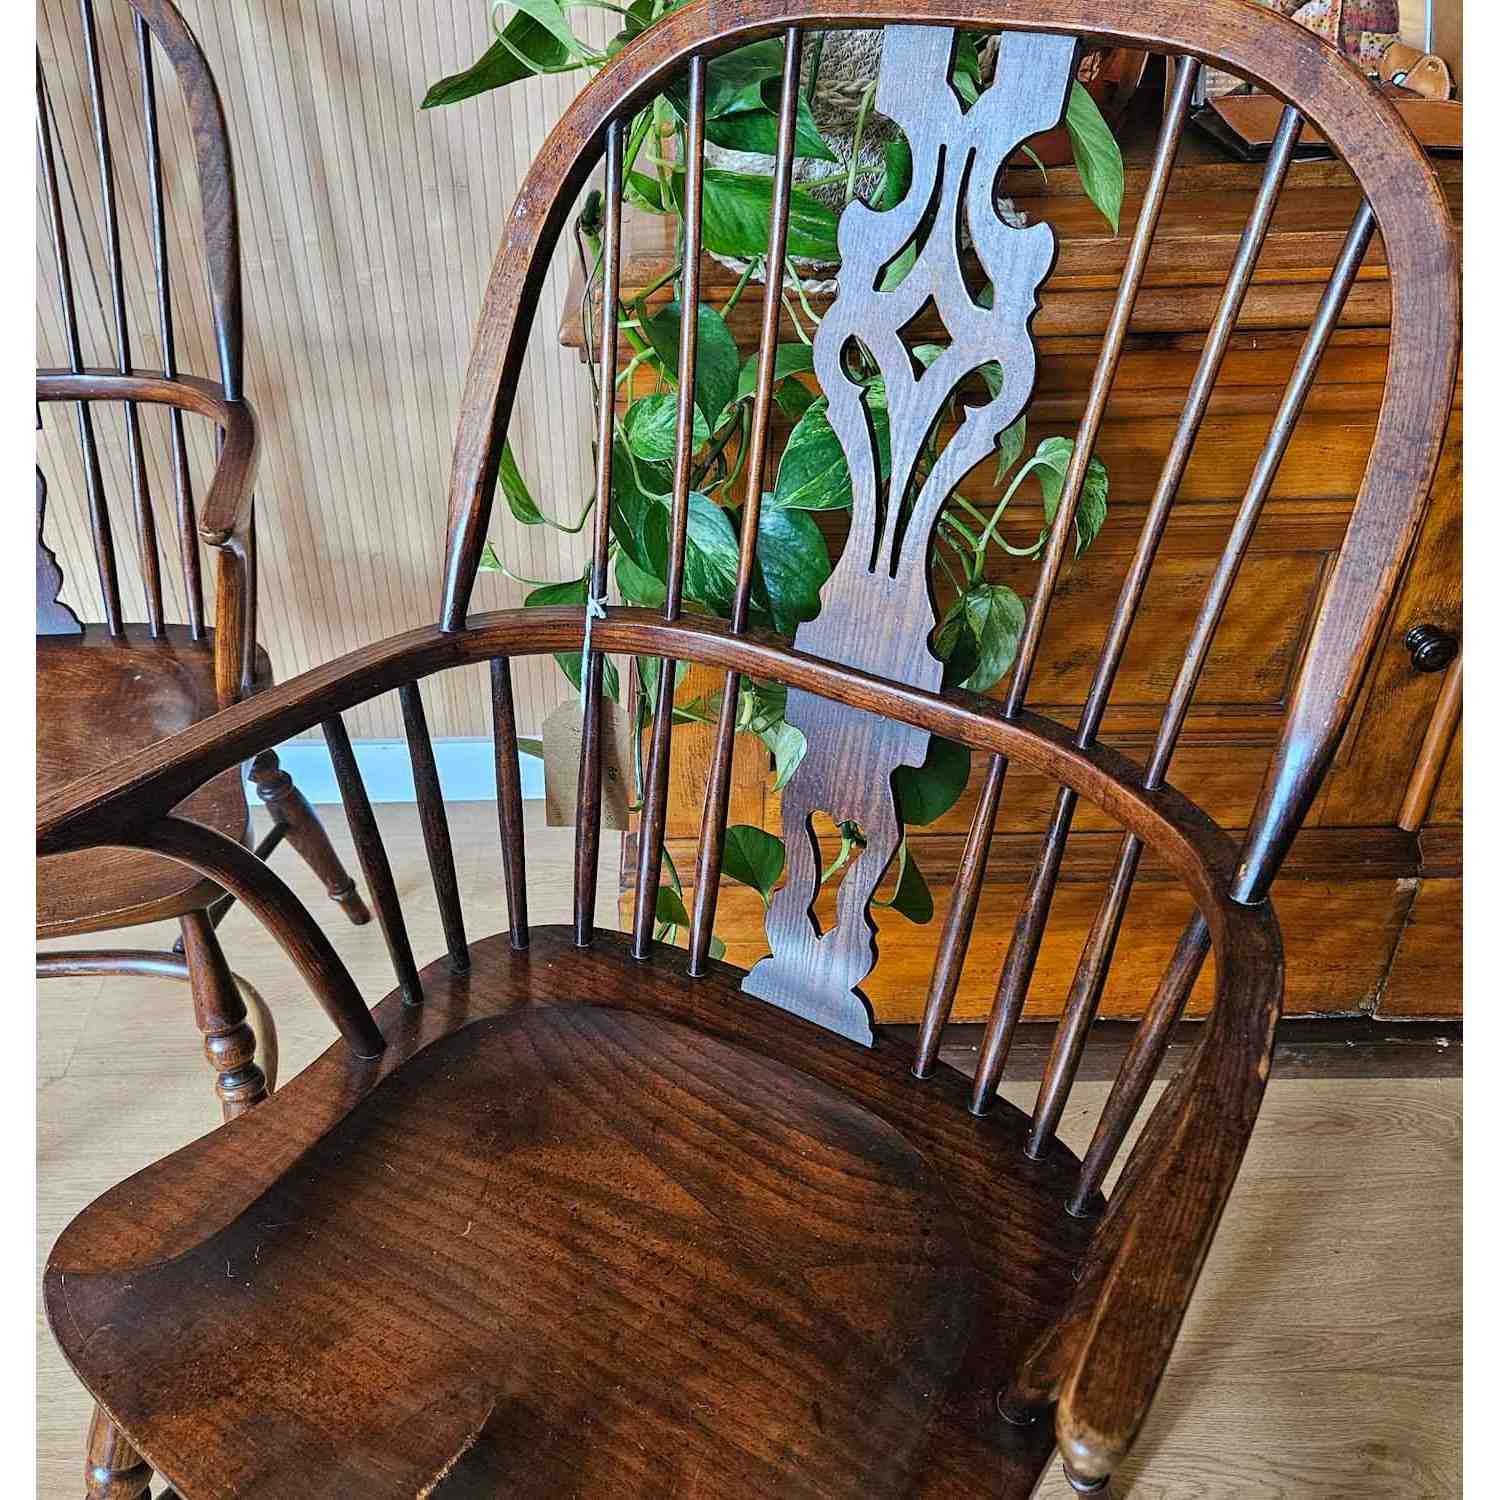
[
  {"x": 109, "y": 234},
  {"x": 860, "y": 679}
]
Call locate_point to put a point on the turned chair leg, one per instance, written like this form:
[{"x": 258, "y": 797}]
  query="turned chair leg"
[
  {"x": 219, "y": 1008},
  {"x": 113, "y": 1469},
  {"x": 292, "y": 816}
]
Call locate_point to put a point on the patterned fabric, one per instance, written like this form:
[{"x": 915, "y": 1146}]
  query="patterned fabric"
[{"x": 1361, "y": 29}]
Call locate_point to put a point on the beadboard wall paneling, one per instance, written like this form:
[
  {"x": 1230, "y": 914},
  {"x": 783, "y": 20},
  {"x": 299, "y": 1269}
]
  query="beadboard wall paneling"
[{"x": 368, "y": 229}]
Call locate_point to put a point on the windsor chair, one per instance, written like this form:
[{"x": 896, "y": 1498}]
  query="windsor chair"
[
  {"x": 569, "y": 1207},
  {"x": 109, "y": 688}
]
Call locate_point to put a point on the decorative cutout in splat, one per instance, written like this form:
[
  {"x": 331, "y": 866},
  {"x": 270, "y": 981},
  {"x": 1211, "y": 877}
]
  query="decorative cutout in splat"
[
  {"x": 53, "y": 617},
  {"x": 877, "y": 608}
]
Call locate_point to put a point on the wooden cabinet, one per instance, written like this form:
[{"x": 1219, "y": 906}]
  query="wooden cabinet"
[{"x": 1370, "y": 920}]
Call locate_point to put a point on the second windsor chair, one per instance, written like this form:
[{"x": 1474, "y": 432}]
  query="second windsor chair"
[
  {"x": 106, "y": 689},
  {"x": 570, "y": 1210}
]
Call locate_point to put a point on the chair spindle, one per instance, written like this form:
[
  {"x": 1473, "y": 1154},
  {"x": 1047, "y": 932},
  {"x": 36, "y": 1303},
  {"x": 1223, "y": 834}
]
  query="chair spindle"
[
  {"x": 373, "y": 860},
  {"x": 508, "y": 800},
  {"x": 1020, "y": 958},
  {"x": 99, "y": 525},
  {"x": 145, "y": 518},
  {"x": 1154, "y": 1032},
  {"x": 434, "y": 819},
  {"x": 654, "y": 804},
  {"x": 182, "y": 480},
  {"x": 591, "y": 759},
  {"x": 716, "y": 798},
  {"x": 1093, "y": 969}
]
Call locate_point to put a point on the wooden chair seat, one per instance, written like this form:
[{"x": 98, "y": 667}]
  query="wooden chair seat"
[
  {"x": 585, "y": 1227},
  {"x": 121, "y": 694}
]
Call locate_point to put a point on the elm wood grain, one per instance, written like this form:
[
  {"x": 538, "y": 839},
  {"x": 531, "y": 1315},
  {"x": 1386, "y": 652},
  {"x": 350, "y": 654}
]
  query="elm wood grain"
[
  {"x": 716, "y": 793},
  {"x": 1247, "y": 946},
  {"x": 101, "y": 697},
  {"x": 691, "y": 1190}
]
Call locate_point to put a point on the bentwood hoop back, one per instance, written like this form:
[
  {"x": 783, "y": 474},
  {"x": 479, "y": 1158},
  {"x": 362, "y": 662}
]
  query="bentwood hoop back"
[{"x": 567, "y": 1210}]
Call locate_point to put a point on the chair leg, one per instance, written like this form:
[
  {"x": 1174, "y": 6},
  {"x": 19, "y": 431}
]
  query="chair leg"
[
  {"x": 291, "y": 812},
  {"x": 219, "y": 1009},
  {"x": 1100, "y": 1489},
  {"x": 113, "y": 1469}
]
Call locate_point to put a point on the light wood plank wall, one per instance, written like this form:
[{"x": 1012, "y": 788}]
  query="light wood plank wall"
[{"x": 368, "y": 229}]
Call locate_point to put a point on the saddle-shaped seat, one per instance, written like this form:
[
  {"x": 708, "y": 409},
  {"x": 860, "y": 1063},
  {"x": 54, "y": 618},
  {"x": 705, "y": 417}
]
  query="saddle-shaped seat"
[{"x": 587, "y": 1226}]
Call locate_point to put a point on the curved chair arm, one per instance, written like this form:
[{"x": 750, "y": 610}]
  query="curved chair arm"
[
  {"x": 1105, "y": 1358},
  {"x": 224, "y": 521}
]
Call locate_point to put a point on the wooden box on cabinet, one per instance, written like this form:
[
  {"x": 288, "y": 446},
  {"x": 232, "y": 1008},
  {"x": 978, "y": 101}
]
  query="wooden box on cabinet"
[{"x": 1369, "y": 916}]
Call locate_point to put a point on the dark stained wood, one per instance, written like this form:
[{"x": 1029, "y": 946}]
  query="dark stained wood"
[
  {"x": 112, "y": 1469},
  {"x": 716, "y": 796},
  {"x": 591, "y": 752},
  {"x": 145, "y": 519},
  {"x": 508, "y": 800},
  {"x": 109, "y": 690},
  {"x": 568, "y": 1221},
  {"x": 234, "y": 867},
  {"x": 121, "y": 694},
  {"x": 879, "y": 1254},
  {"x": 373, "y": 860},
  {"x": 1342, "y": 1047},
  {"x": 293, "y": 819},
  {"x": 658, "y": 773},
  {"x": 187, "y": 523},
  {"x": 228, "y": 1041},
  {"x": 434, "y": 820},
  {"x": 1093, "y": 968}
]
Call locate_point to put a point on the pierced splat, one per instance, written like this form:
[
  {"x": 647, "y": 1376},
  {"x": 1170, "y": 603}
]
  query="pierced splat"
[
  {"x": 877, "y": 609},
  {"x": 53, "y": 617}
]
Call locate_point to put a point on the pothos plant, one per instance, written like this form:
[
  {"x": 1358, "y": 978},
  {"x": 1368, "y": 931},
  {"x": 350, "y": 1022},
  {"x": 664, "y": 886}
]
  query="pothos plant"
[{"x": 981, "y": 627}]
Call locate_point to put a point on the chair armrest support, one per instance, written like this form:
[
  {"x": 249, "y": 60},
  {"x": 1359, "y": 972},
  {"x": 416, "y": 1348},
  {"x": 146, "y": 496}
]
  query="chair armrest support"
[{"x": 1118, "y": 1333}]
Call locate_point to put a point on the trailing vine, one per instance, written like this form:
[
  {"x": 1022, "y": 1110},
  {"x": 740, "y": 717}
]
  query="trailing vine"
[{"x": 979, "y": 632}]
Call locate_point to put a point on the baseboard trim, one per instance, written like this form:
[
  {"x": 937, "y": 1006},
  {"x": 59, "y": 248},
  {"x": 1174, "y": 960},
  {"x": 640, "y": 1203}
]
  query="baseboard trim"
[
  {"x": 466, "y": 770},
  {"x": 1306, "y": 1047}
]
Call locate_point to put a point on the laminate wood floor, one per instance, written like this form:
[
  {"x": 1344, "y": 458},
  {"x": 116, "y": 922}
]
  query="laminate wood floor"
[{"x": 1321, "y": 1356}]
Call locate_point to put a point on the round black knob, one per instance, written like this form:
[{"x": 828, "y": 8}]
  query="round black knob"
[{"x": 1432, "y": 648}]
